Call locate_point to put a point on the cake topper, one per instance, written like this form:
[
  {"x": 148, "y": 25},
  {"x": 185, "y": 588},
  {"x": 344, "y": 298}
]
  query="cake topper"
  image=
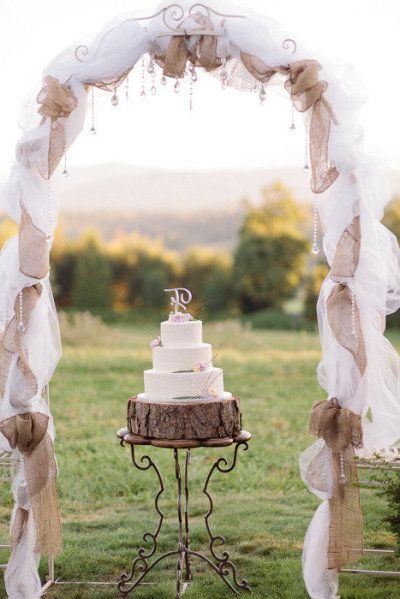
[{"x": 180, "y": 298}]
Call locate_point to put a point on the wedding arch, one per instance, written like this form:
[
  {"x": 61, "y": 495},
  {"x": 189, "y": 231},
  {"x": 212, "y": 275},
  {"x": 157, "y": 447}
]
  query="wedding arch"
[{"x": 359, "y": 369}]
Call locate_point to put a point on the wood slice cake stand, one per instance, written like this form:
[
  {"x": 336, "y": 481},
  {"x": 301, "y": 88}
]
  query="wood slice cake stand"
[
  {"x": 199, "y": 420},
  {"x": 183, "y": 427}
]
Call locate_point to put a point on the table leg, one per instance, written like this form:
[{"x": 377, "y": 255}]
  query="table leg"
[
  {"x": 181, "y": 546},
  {"x": 223, "y": 562},
  {"x": 140, "y": 563},
  {"x": 188, "y": 566}
]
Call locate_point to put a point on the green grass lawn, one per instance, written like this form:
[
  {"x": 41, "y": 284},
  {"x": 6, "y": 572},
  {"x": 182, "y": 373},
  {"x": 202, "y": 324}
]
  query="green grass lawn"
[{"x": 262, "y": 508}]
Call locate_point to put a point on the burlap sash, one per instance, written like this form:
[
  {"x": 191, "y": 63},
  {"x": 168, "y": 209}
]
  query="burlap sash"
[
  {"x": 342, "y": 432},
  {"x": 307, "y": 92},
  {"x": 202, "y": 54},
  {"x": 11, "y": 343},
  {"x": 347, "y": 253},
  {"x": 339, "y": 308},
  {"x": 28, "y": 433},
  {"x": 34, "y": 251},
  {"x": 56, "y": 103}
]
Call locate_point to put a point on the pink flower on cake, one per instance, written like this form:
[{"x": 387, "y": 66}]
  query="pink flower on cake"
[
  {"x": 201, "y": 366},
  {"x": 155, "y": 343},
  {"x": 180, "y": 317}
]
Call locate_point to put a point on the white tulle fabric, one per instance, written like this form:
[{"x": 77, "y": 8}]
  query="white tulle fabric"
[{"x": 358, "y": 190}]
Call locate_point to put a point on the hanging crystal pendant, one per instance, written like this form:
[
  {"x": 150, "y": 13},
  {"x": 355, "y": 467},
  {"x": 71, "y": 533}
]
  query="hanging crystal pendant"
[
  {"x": 306, "y": 166},
  {"x": 177, "y": 86},
  {"x": 114, "y": 98},
  {"x": 127, "y": 89},
  {"x": 151, "y": 66},
  {"x": 314, "y": 247},
  {"x": 153, "y": 90},
  {"x": 262, "y": 94},
  {"x": 293, "y": 125},
  {"x": 163, "y": 80},
  {"x": 92, "y": 128},
  {"x": 65, "y": 170}
]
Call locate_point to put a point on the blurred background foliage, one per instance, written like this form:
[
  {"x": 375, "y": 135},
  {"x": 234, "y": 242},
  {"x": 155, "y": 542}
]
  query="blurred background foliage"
[{"x": 268, "y": 278}]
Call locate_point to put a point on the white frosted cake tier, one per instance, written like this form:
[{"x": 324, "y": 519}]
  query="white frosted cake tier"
[
  {"x": 181, "y": 334},
  {"x": 172, "y": 359},
  {"x": 166, "y": 385}
]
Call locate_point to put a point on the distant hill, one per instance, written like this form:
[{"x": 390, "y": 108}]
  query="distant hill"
[
  {"x": 129, "y": 188},
  {"x": 124, "y": 187}
]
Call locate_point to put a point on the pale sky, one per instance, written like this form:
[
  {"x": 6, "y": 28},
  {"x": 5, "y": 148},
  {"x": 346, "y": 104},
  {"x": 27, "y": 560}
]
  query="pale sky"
[{"x": 160, "y": 131}]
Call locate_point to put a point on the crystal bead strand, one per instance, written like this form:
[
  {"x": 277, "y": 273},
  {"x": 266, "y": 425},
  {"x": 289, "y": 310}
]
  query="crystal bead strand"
[
  {"x": 314, "y": 247},
  {"x": 151, "y": 71},
  {"x": 193, "y": 79},
  {"x": 127, "y": 89},
  {"x": 143, "y": 80},
  {"x": 353, "y": 314},
  {"x": 293, "y": 125},
  {"x": 306, "y": 167},
  {"x": 65, "y": 169},
  {"x": 342, "y": 477},
  {"x": 21, "y": 326},
  {"x": 92, "y": 128},
  {"x": 49, "y": 236}
]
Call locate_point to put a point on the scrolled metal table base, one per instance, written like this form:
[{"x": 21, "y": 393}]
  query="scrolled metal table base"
[{"x": 220, "y": 564}]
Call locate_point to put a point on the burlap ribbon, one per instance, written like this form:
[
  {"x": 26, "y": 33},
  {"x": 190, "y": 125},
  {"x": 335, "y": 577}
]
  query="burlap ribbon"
[
  {"x": 203, "y": 52},
  {"x": 28, "y": 433},
  {"x": 341, "y": 319},
  {"x": 342, "y": 432},
  {"x": 347, "y": 253},
  {"x": 11, "y": 343},
  {"x": 307, "y": 93},
  {"x": 56, "y": 103},
  {"x": 34, "y": 251}
]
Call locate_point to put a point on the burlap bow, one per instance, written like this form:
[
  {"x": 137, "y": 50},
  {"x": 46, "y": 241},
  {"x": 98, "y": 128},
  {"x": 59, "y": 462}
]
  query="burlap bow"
[
  {"x": 56, "y": 103},
  {"x": 28, "y": 433},
  {"x": 202, "y": 53},
  {"x": 342, "y": 432},
  {"x": 307, "y": 93}
]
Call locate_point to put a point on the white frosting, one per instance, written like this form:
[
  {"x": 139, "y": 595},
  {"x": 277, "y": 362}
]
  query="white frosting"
[
  {"x": 171, "y": 359},
  {"x": 165, "y": 385},
  {"x": 181, "y": 334}
]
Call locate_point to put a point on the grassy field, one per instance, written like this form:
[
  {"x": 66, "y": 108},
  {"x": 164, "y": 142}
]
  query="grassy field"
[{"x": 262, "y": 507}]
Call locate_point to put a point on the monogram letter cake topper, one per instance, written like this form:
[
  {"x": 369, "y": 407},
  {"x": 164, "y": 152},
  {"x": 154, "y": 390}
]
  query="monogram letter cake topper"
[{"x": 179, "y": 300}]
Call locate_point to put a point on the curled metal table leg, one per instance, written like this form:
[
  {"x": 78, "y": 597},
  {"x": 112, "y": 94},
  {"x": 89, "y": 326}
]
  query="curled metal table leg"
[
  {"x": 223, "y": 562},
  {"x": 140, "y": 563}
]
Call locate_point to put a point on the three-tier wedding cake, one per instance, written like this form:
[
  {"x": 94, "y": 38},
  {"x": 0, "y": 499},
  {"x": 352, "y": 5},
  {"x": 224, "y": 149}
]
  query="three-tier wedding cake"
[{"x": 183, "y": 391}]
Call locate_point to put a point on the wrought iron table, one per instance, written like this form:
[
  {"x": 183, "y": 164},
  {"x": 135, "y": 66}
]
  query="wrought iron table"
[{"x": 220, "y": 563}]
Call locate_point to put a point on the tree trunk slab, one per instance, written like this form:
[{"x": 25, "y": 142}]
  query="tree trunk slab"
[{"x": 206, "y": 419}]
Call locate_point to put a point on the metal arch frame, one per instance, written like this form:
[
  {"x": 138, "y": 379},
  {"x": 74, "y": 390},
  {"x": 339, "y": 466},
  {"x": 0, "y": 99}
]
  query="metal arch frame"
[
  {"x": 221, "y": 565},
  {"x": 176, "y": 13},
  {"x": 173, "y": 12}
]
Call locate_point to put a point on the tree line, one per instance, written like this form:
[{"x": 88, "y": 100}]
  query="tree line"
[{"x": 270, "y": 265}]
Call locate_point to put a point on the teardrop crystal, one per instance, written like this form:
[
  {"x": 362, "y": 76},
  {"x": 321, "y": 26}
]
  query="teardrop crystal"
[
  {"x": 262, "y": 95},
  {"x": 153, "y": 90},
  {"x": 306, "y": 168},
  {"x": 315, "y": 249},
  {"x": 163, "y": 80},
  {"x": 114, "y": 100},
  {"x": 65, "y": 173},
  {"x": 177, "y": 87}
]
